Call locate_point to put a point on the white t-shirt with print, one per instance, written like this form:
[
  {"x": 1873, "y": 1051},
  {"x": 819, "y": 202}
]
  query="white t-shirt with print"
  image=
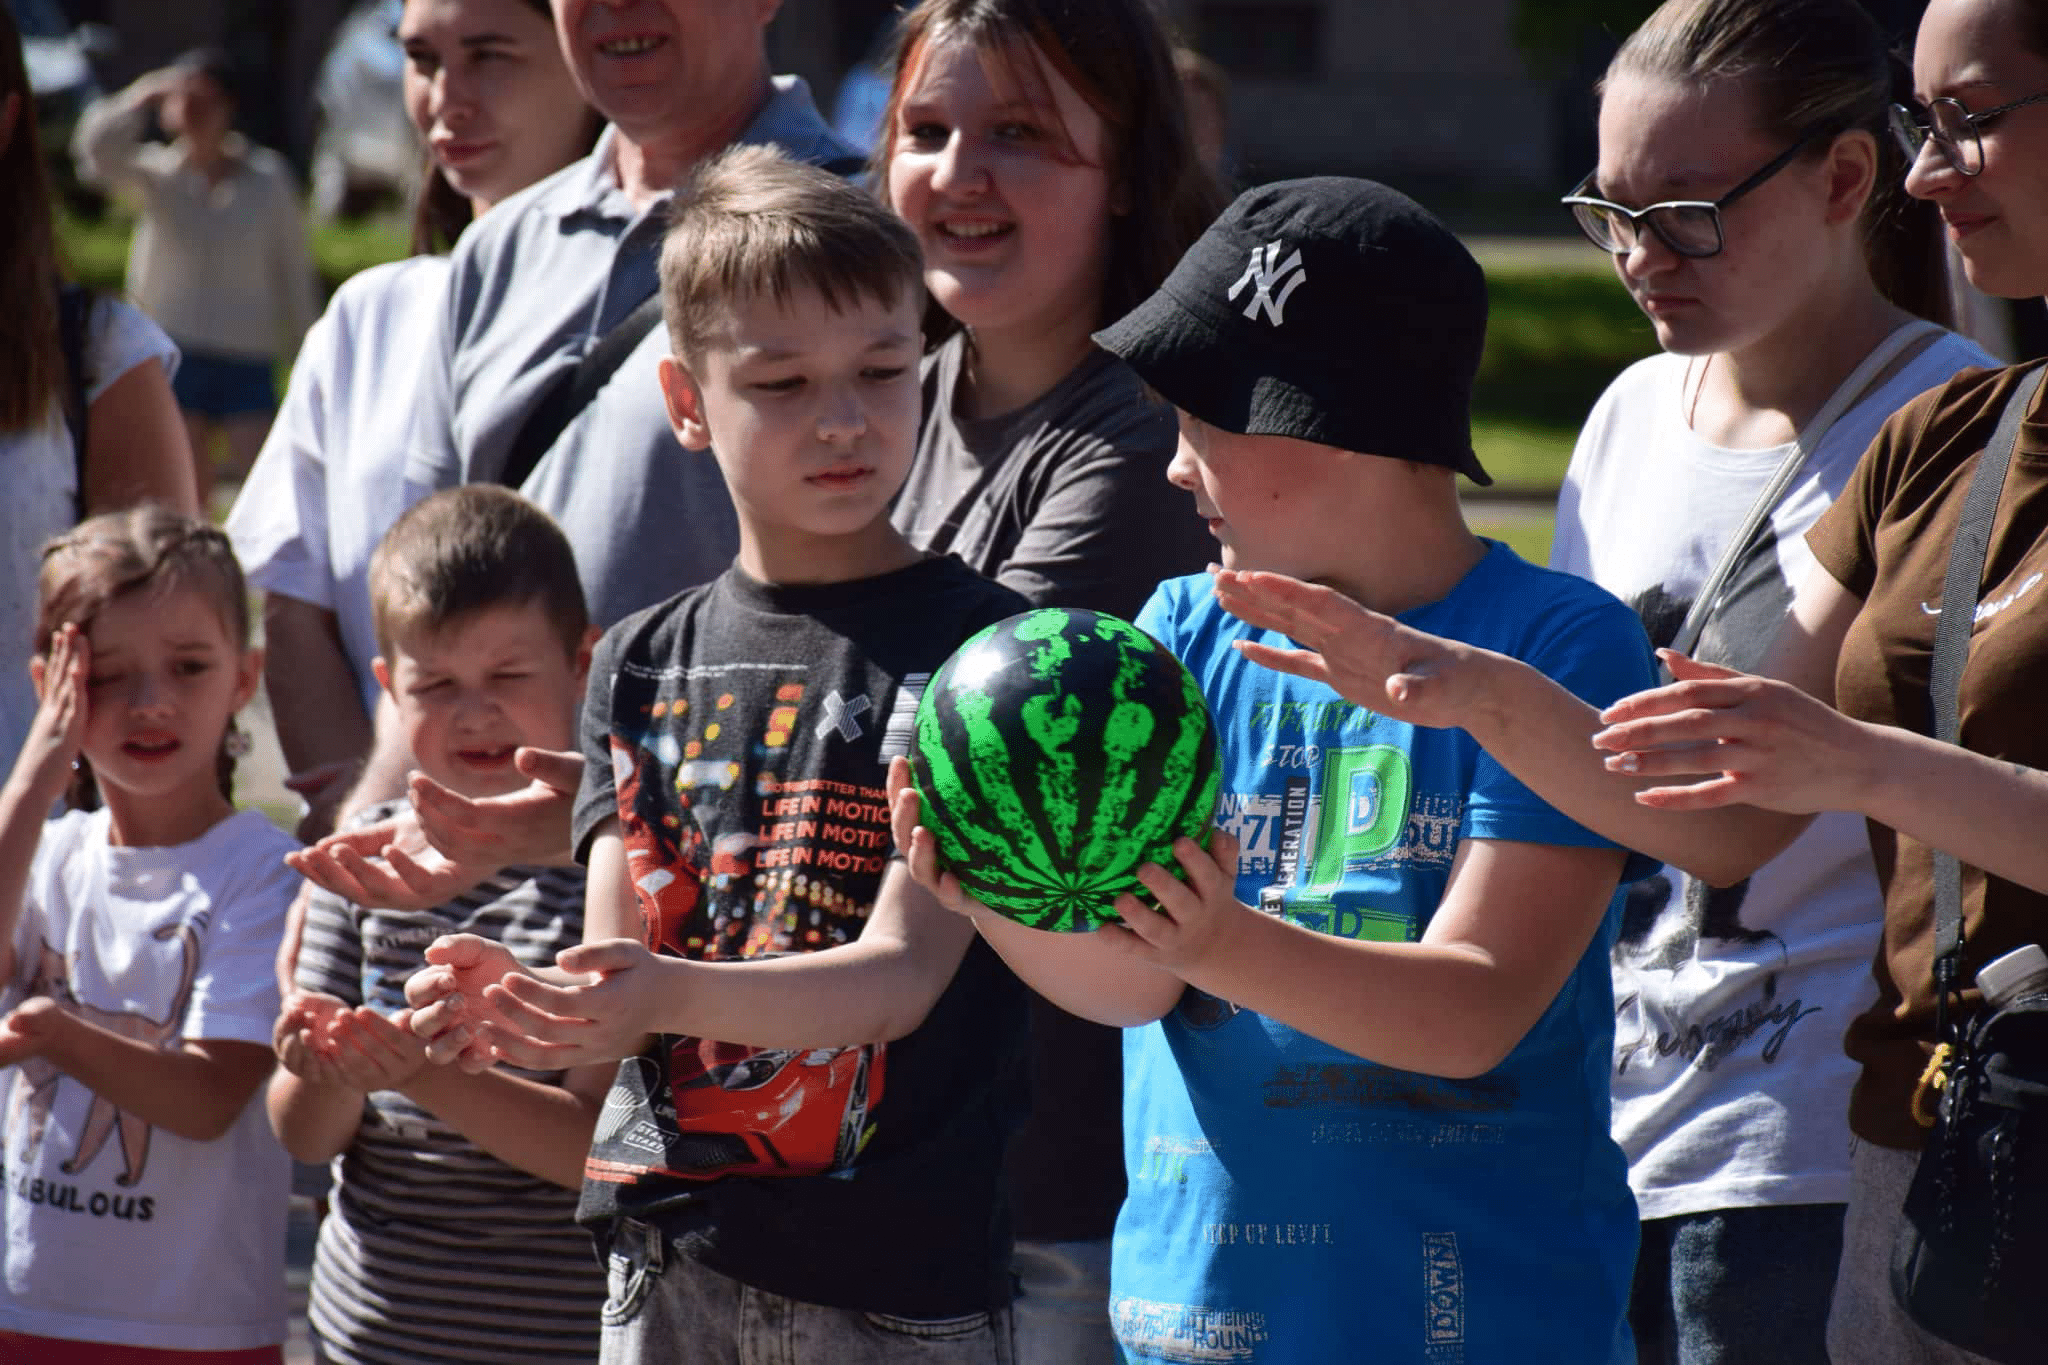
[
  {"x": 1730, "y": 1086},
  {"x": 39, "y": 465},
  {"x": 330, "y": 479},
  {"x": 118, "y": 1231}
]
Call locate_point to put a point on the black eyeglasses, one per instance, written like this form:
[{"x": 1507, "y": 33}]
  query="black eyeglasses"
[
  {"x": 1954, "y": 129},
  {"x": 1690, "y": 227}
]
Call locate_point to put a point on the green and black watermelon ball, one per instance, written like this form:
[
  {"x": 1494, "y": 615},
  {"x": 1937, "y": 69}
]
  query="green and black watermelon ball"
[{"x": 1057, "y": 752}]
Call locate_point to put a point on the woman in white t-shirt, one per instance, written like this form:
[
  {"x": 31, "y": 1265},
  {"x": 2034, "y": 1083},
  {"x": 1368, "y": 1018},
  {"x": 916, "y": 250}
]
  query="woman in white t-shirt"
[
  {"x": 1752, "y": 198},
  {"x": 133, "y": 446},
  {"x": 145, "y": 1196},
  {"x": 486, "y": 86}
]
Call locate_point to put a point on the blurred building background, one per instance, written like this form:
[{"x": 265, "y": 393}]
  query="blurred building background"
[{"x": 1457, "y": 98}]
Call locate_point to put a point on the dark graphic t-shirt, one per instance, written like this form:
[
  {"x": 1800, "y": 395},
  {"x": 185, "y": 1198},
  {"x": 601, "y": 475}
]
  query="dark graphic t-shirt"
[{"x": 741, "y": 734}]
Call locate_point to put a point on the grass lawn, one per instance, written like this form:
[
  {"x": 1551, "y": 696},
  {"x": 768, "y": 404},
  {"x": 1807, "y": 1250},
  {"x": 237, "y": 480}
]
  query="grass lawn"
[{"x": 1555, "y": 338}]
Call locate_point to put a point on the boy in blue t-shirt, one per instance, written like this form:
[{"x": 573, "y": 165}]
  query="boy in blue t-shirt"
[{"x": 1366, "y": 1107}]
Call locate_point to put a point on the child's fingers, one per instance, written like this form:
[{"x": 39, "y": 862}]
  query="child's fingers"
[
  {"x": 1150, "y": 927},
  {"x": 449, "y": 1046},
  {"x": 905, "y": 809},
  {"x": 439, "y": 1018},
  {"x": 561, "y": 769},
  {"x": 1177, "y": 900},
  {"x": 458, "y": 951},
  {"x": 428, "y": 985},
  {"x": 922, "y": 858},
  {"x": 446, "y": 815},
  {"x": 555, "y": 1014},
  {"x": 326, "y": 870},
  {"x": 1212, "y": 870},
  {"x": 515, "y": 1049},
  {"x": 608, "y": 955}
]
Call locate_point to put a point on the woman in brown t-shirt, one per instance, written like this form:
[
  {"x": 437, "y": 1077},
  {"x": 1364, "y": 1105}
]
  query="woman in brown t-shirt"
[{"x": 1859, "y": 636}]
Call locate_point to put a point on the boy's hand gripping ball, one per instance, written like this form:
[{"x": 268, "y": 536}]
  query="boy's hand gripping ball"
[{"x": 1057, "y": 752}]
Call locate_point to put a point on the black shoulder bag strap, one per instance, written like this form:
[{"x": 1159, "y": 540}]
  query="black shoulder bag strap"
[
  {"x": 74, "y": 318},
  {"x": 573, "y": 391},
  {"x": 1960, "y": 589}
]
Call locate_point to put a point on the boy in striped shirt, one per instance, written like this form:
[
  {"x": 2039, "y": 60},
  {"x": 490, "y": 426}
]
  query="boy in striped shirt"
[{"x": 451, "y": 1235}]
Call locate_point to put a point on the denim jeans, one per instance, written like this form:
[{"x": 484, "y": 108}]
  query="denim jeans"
[
  {"x": 664, "y": 1308},
  {"x": 1736, "y": 1286},
  {"x": 1867, "y": 1326},
  {"x": 1063, "y": 1303}
]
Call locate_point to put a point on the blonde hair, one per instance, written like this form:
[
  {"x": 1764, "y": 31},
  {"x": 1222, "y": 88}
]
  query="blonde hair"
[{"x": 753, "y": 223}]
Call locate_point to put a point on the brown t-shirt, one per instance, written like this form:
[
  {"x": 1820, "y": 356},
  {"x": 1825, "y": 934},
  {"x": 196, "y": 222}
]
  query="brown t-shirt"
[{"x": 1887, "y": 541}]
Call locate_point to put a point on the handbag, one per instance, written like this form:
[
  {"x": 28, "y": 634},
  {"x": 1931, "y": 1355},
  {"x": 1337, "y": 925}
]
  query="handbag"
[{"x": 1972, "y": 1250}]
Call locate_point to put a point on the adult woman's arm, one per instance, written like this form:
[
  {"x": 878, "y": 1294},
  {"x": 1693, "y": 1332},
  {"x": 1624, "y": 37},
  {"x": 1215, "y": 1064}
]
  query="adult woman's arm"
[
  {"x": 1535, "y": 728},
  {"x": 321, "y": 725},
  {"x": 136, "y": 447},
  {"x": 1778, "y": 748}
]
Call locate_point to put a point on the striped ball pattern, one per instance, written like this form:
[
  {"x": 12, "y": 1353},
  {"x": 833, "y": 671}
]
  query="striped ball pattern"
[{"x": 1056, "y": 752}]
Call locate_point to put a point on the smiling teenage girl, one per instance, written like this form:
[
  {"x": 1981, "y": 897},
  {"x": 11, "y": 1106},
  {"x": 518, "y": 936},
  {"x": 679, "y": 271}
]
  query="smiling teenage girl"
[
  {"x": 135, "y": 946},
  {"x": 1040, "y": 150}
]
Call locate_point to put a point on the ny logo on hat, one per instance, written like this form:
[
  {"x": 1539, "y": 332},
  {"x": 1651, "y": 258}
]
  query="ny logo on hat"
[{"x": 1265, "y": 274}]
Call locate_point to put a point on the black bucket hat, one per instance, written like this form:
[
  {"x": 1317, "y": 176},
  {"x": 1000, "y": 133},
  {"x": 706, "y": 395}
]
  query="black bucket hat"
[{"x": 1332, "y": 310}]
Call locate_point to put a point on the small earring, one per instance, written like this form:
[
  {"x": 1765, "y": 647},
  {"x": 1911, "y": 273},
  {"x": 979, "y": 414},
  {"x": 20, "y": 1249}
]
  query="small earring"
[{"x": 237, "y": 742}]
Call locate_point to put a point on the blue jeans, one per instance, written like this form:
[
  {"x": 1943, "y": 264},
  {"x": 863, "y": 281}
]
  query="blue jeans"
[
  {"x": 1736, "y": 1286},
  {"x": 665, "y": 1308},
  {"x": 1063, "y": 1303}
]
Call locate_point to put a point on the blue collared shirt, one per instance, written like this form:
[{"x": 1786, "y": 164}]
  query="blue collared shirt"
[{"x": 533, "y": 286}]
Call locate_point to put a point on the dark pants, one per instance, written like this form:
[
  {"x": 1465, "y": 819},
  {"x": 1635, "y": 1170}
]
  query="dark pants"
[{"x": 1737, "y": 1286}]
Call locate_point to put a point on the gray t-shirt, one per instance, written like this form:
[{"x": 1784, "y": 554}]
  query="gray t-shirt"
[
  {"x": 532, "y": 288},
  {"x": 1064, "y": 500}
]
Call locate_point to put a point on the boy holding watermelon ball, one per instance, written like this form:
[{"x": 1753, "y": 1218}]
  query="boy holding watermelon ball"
[
  {"x": 804, "y": 1142},
  {"x": 1366, "y": 1106}
]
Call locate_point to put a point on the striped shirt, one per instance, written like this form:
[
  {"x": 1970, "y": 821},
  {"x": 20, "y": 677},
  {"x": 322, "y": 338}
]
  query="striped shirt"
[{"x": 433, "y": 1250}]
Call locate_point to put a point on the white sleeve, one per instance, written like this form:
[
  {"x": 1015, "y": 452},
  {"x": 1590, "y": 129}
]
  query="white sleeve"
[
  {"x": 279, "y": 521},
  {"x": 234, "y": 996},
  {"x": 108, "y": 143},
  {"x": 122, "y": 338}
]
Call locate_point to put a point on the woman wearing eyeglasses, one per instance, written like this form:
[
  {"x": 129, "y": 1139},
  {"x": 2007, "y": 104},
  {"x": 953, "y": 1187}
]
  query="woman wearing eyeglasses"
[
  {"x": 1750, "y": 191},
  {"x": 1858, "y": 633}
]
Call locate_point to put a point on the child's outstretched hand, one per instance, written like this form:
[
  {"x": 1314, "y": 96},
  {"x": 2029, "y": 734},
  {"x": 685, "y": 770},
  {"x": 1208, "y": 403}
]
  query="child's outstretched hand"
[
  {"x": 57, "y": 735},
  {"x": 529, "y": 826},
  {"x": 375, "y": 1053},
  {"x": 450, "y": 1013},
  {"x": 301, "y": 1038},
  {"x": 388, "y": 864},
  {"x": 605, "y": 1018},
  {"x": 1370, "y": 658},
  {"x": 27, "y": 1029},
  {"x": 1194, "y": 916}
]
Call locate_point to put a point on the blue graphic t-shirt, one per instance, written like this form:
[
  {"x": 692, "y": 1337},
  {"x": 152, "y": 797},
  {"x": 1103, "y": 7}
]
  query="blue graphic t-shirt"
[{"x": 1291, "y": 1203}]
